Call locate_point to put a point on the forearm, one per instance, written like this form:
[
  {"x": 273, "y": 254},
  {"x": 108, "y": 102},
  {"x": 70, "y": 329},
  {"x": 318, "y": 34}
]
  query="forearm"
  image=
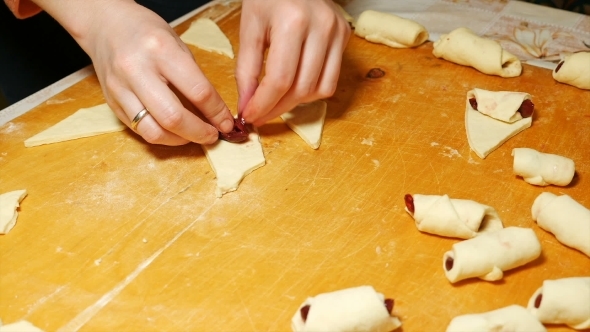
[{"x": 80, "y": 18}]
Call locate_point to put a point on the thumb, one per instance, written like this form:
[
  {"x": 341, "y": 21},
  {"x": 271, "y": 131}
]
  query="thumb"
[{"x": 250, "y": 59}]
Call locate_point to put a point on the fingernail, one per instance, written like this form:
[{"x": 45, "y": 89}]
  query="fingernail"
[{"x": 226, "y": 125}]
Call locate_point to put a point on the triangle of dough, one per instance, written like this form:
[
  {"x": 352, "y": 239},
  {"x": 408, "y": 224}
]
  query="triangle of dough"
[
  {"x": 485, "y": 134},
  {"x": 307, "y": 120},
  {"x": 231, "y": 162},
  {"x": 85, "y": 122},
  {"x": 206, "y": 35}
]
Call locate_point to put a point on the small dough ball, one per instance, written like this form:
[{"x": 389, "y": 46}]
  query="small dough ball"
[
  {"x": 567, "y": 219},
  {"x": 543, "y": 169},
  {"x": 574, "y": 70},
  {"x": 563, "y": 301},
  {"x": 513, "y": 318},
  {"x": 390, "y": 30},
  {"x": 464, "y": 47},
  {"x": 352, "y": 309}
]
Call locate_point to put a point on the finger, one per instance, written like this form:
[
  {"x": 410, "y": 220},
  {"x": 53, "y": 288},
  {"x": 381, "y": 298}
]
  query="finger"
[
  {"x": 180, "y": 69},
  {"x": 128, "y": 106},
  {"x": 328, "y": 79},
  {"x": 169, "y": 112},
  {"x": 281, "y": 68},
  {"x": 250, "y": 59}
]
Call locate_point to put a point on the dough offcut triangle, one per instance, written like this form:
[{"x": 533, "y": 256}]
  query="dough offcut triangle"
[
  {"x": 206, "y": 35},
  {"x": 307, "y": 120}
]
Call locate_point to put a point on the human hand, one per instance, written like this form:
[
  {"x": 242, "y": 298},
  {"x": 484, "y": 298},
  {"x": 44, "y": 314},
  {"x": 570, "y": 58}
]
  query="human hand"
[
  {"x": 138, "y": 59},
  {"x": 306, "y": 39}
]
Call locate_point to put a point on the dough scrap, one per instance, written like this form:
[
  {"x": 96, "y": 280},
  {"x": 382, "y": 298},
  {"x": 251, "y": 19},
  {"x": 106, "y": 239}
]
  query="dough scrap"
[
  {"x": 513, "y": 318},
  {"x": 563, "y": 301},
  {"x": 574, "y": 69},
  {"x": 390, "y": 30},
  {"x": 459, "y": 218},
  {"x": 9, "y": 202},
  {"x": 231, "y": 162},
  {"x": 206, "y": 35},
  {"x": 567, "y": 219},
  {"x": 488, "y": 255},
  {"x": 464, "y": 47},
  {"x": 20, "y": 326},
  {"x": 500, "y": 105},
  {"x": 85, "y": 122},
  {"x": 542, "y": 169},
  {"x": 352, "y": 309},
  {"x": 307, "y": 121},
  {"x": 485, "y": 134}
]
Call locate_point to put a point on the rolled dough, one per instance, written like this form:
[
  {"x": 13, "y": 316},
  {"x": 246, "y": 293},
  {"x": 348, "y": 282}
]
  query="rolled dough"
[
  {"x": 574, "y": 70},
  {"x": 488, "y": 255},
  {"x": 390, "y": 30},
  {"x": 458, "y": 218},
  {"x": 352, "y": 309},
  {"x": 485, "y": 134},
  {"x": 206, "y": 35},
  {"x": 542, "y": 169},
  {"x": 500, "y": 105},
  {"x": 563, "y": 301},
  {"x": 307, "y": 121},
  {"x": 567, "y": 219},
  {"x": 85, "y": 122},
  {"x": 464, "y": 47},
  {"x": 513, "y": 318},
  {"x": 9, "y": 202},
  {"x": 231, "y": 162}
]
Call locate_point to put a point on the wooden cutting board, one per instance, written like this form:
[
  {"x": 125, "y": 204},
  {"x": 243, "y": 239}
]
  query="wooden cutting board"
[{"x": 120, "y": 235}]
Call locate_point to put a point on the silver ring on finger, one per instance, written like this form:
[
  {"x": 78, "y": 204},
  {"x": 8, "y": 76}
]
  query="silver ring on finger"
[{"x": 138, "y": 118}]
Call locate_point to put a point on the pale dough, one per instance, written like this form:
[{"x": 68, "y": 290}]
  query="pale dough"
[
  {"x": 307, "y": 120},
  {"x": 85, "y": 122},
  {"x": 542, "y": 169},
  {"x": 458, "y": 218},
  {"x": 231, "y": 162},
  {"x": 567, "y": 219},
  {"x": 500, "y": 105},
  {"x": 464, "y": 47},
  {"x": 513, "y": 318},
  {"x": 488, "y": 255},
  {"x": 20, "y": 326},
  {"x": 574, "y": 70},
  {"x": 563, "y": 301},
  {"x": 485, "y": 134},
  {"x": 390, "y": 30},
  {"x": 206, "y": 35},
  {"x": 9, "y": 202},
  {"x": 352, "y": 309}
]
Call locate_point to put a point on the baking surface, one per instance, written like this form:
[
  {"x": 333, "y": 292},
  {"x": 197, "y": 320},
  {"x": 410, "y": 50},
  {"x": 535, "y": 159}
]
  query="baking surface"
[{"x": 120, "y": 235}]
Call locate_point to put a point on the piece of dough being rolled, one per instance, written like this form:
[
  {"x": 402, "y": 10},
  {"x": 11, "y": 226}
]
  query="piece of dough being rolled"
[
  {"x": 352, "y": 309},
  {"x": 567, "y": 219},
  {"x": 20, "y": 326},
  {"x": 463, "y": 47},
  {"x": 507, "y": 106},
  {"x": 390, "y": 30},
  {"x": 513, "y": 318},
  {"x": 574, "y": 70},
  {"x": 460, "y": 218},
  {"x": 543, "y": 169},
  {"x": 563, "y": 301},
  {"x": 488, "y": 255},
  {"x": 9, "y": 203}
]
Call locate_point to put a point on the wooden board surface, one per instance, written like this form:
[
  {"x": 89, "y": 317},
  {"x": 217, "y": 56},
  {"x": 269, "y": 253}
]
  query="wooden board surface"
[{"x": 120, "y": 235}]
